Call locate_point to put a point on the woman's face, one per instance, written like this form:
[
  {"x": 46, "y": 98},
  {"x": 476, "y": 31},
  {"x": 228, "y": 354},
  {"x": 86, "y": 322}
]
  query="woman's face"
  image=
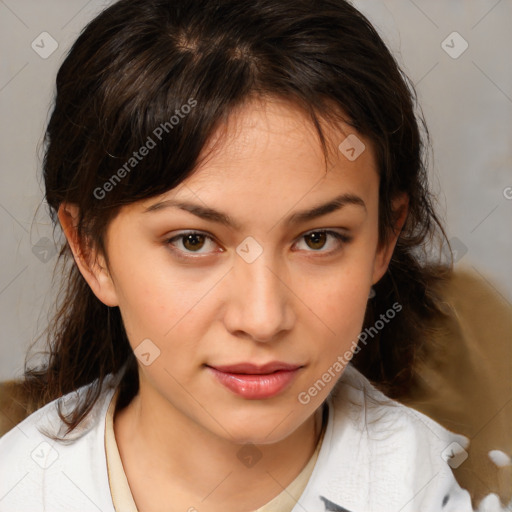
[{"x": 241, "y": 288}]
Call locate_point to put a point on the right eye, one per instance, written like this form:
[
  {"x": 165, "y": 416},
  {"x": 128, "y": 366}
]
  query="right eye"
[{"x": 192, "y": 242}]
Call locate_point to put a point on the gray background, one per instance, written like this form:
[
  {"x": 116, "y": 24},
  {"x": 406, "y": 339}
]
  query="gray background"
[{"x": 467, "y": 102}]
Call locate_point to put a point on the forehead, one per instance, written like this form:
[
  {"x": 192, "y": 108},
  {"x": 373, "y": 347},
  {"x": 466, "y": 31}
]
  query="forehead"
[
  {"x": 266, "y": 162},
  {"x": 259, "y": 128},
  {"x": 274, "y": 142}
]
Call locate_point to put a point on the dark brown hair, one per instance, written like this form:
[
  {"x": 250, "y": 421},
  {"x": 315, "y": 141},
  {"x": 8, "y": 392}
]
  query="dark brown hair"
[{"x": 136, "y": 65}]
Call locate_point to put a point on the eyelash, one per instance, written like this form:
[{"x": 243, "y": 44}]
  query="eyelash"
[{"x": 341, "y": 238}]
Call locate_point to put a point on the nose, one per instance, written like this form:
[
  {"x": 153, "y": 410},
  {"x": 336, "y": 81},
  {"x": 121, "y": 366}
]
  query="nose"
[{"x": 260, "y": 305}]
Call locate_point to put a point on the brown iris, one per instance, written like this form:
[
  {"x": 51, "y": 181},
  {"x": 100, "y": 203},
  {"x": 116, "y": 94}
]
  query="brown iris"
[
  {"x": 316, "y": 240},
  {"x": 193, "y": 241}
]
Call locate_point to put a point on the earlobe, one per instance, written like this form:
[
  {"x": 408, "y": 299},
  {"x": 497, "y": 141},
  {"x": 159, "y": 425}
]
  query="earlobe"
[
  {"x": 385, "y": 252},
  {"x": 90, "y": 262}
]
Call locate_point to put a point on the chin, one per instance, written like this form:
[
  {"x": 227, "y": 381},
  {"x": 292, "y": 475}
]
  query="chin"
[{"x": 260, "y": 430}]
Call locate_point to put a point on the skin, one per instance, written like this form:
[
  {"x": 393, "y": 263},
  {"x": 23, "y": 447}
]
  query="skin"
[{"x": 299, "y": 302}]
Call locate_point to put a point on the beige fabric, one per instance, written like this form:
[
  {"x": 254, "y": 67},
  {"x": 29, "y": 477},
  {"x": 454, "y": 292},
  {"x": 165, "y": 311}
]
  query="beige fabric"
[
  {"x": 119, "y": 489},
  {"x": 122, "y": 497},
  {"x": 467, "y": 380}
]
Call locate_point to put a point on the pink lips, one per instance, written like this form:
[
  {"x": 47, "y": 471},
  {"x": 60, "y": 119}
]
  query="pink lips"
[{"x": 255, "y": 382}]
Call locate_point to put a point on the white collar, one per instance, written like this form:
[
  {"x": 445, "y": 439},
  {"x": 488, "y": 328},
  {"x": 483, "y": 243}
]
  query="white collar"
[{"x": 380, "y": 455}]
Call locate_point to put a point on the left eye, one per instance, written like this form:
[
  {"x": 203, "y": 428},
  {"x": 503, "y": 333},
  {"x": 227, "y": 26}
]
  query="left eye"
[
  {"x": 193, "y": 242},
  {"x": 323, "y": 239}
]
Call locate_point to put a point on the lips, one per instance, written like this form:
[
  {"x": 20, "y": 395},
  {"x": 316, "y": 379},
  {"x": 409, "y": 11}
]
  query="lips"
[
  {"x": 256, "y": 382},
  {"x": 252, "y": 369}
]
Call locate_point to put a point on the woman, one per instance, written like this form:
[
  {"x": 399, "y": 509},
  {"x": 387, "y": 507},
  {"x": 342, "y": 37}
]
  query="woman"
[{"x": 242, "y": 188}]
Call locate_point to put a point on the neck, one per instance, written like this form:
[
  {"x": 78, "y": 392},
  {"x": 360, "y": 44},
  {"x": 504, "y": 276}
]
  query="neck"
[{"x": 160, "y": 445}]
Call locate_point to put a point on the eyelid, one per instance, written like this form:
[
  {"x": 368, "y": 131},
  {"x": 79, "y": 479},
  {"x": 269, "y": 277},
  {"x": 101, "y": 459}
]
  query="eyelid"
[
  {"x": 342, "y": 233},
  {"x": 334, "y": 231},
  {"x": 184, "y": 232}
]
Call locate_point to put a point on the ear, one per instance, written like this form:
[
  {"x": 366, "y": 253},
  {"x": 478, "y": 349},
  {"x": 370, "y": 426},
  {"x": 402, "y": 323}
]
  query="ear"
[
  {"x": 385, "y": 251},
  {"x": 91, "y": 263}
]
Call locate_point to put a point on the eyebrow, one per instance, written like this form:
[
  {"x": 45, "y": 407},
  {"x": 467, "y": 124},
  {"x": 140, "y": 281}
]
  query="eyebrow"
[{"x": 210, "y": 214}]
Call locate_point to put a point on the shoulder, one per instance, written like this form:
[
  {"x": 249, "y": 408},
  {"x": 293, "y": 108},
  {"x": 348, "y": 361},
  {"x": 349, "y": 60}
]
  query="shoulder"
[
  {"x": 40, "y": 473},
  {"x": 380, "y": 451},
  {"x": 383, "y": 417}
]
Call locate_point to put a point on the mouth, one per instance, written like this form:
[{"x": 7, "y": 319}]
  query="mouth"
[{"x": 256, "y": 382}]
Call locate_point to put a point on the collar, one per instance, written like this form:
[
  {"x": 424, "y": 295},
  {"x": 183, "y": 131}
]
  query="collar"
[{"x": 380, "y": 455}]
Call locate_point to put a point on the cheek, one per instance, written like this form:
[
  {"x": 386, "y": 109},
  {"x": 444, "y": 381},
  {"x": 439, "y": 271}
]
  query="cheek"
[
  {"x": 341, "y": 307},
  {"x": 158, "y": 299},
  {"x": 344, "y": 307},
  {"x": 339, "y": 300},
  {"x": 143, "y": 289}
]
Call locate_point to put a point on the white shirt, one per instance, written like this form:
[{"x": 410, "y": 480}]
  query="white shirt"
[{"x": 376, "y": 455}]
